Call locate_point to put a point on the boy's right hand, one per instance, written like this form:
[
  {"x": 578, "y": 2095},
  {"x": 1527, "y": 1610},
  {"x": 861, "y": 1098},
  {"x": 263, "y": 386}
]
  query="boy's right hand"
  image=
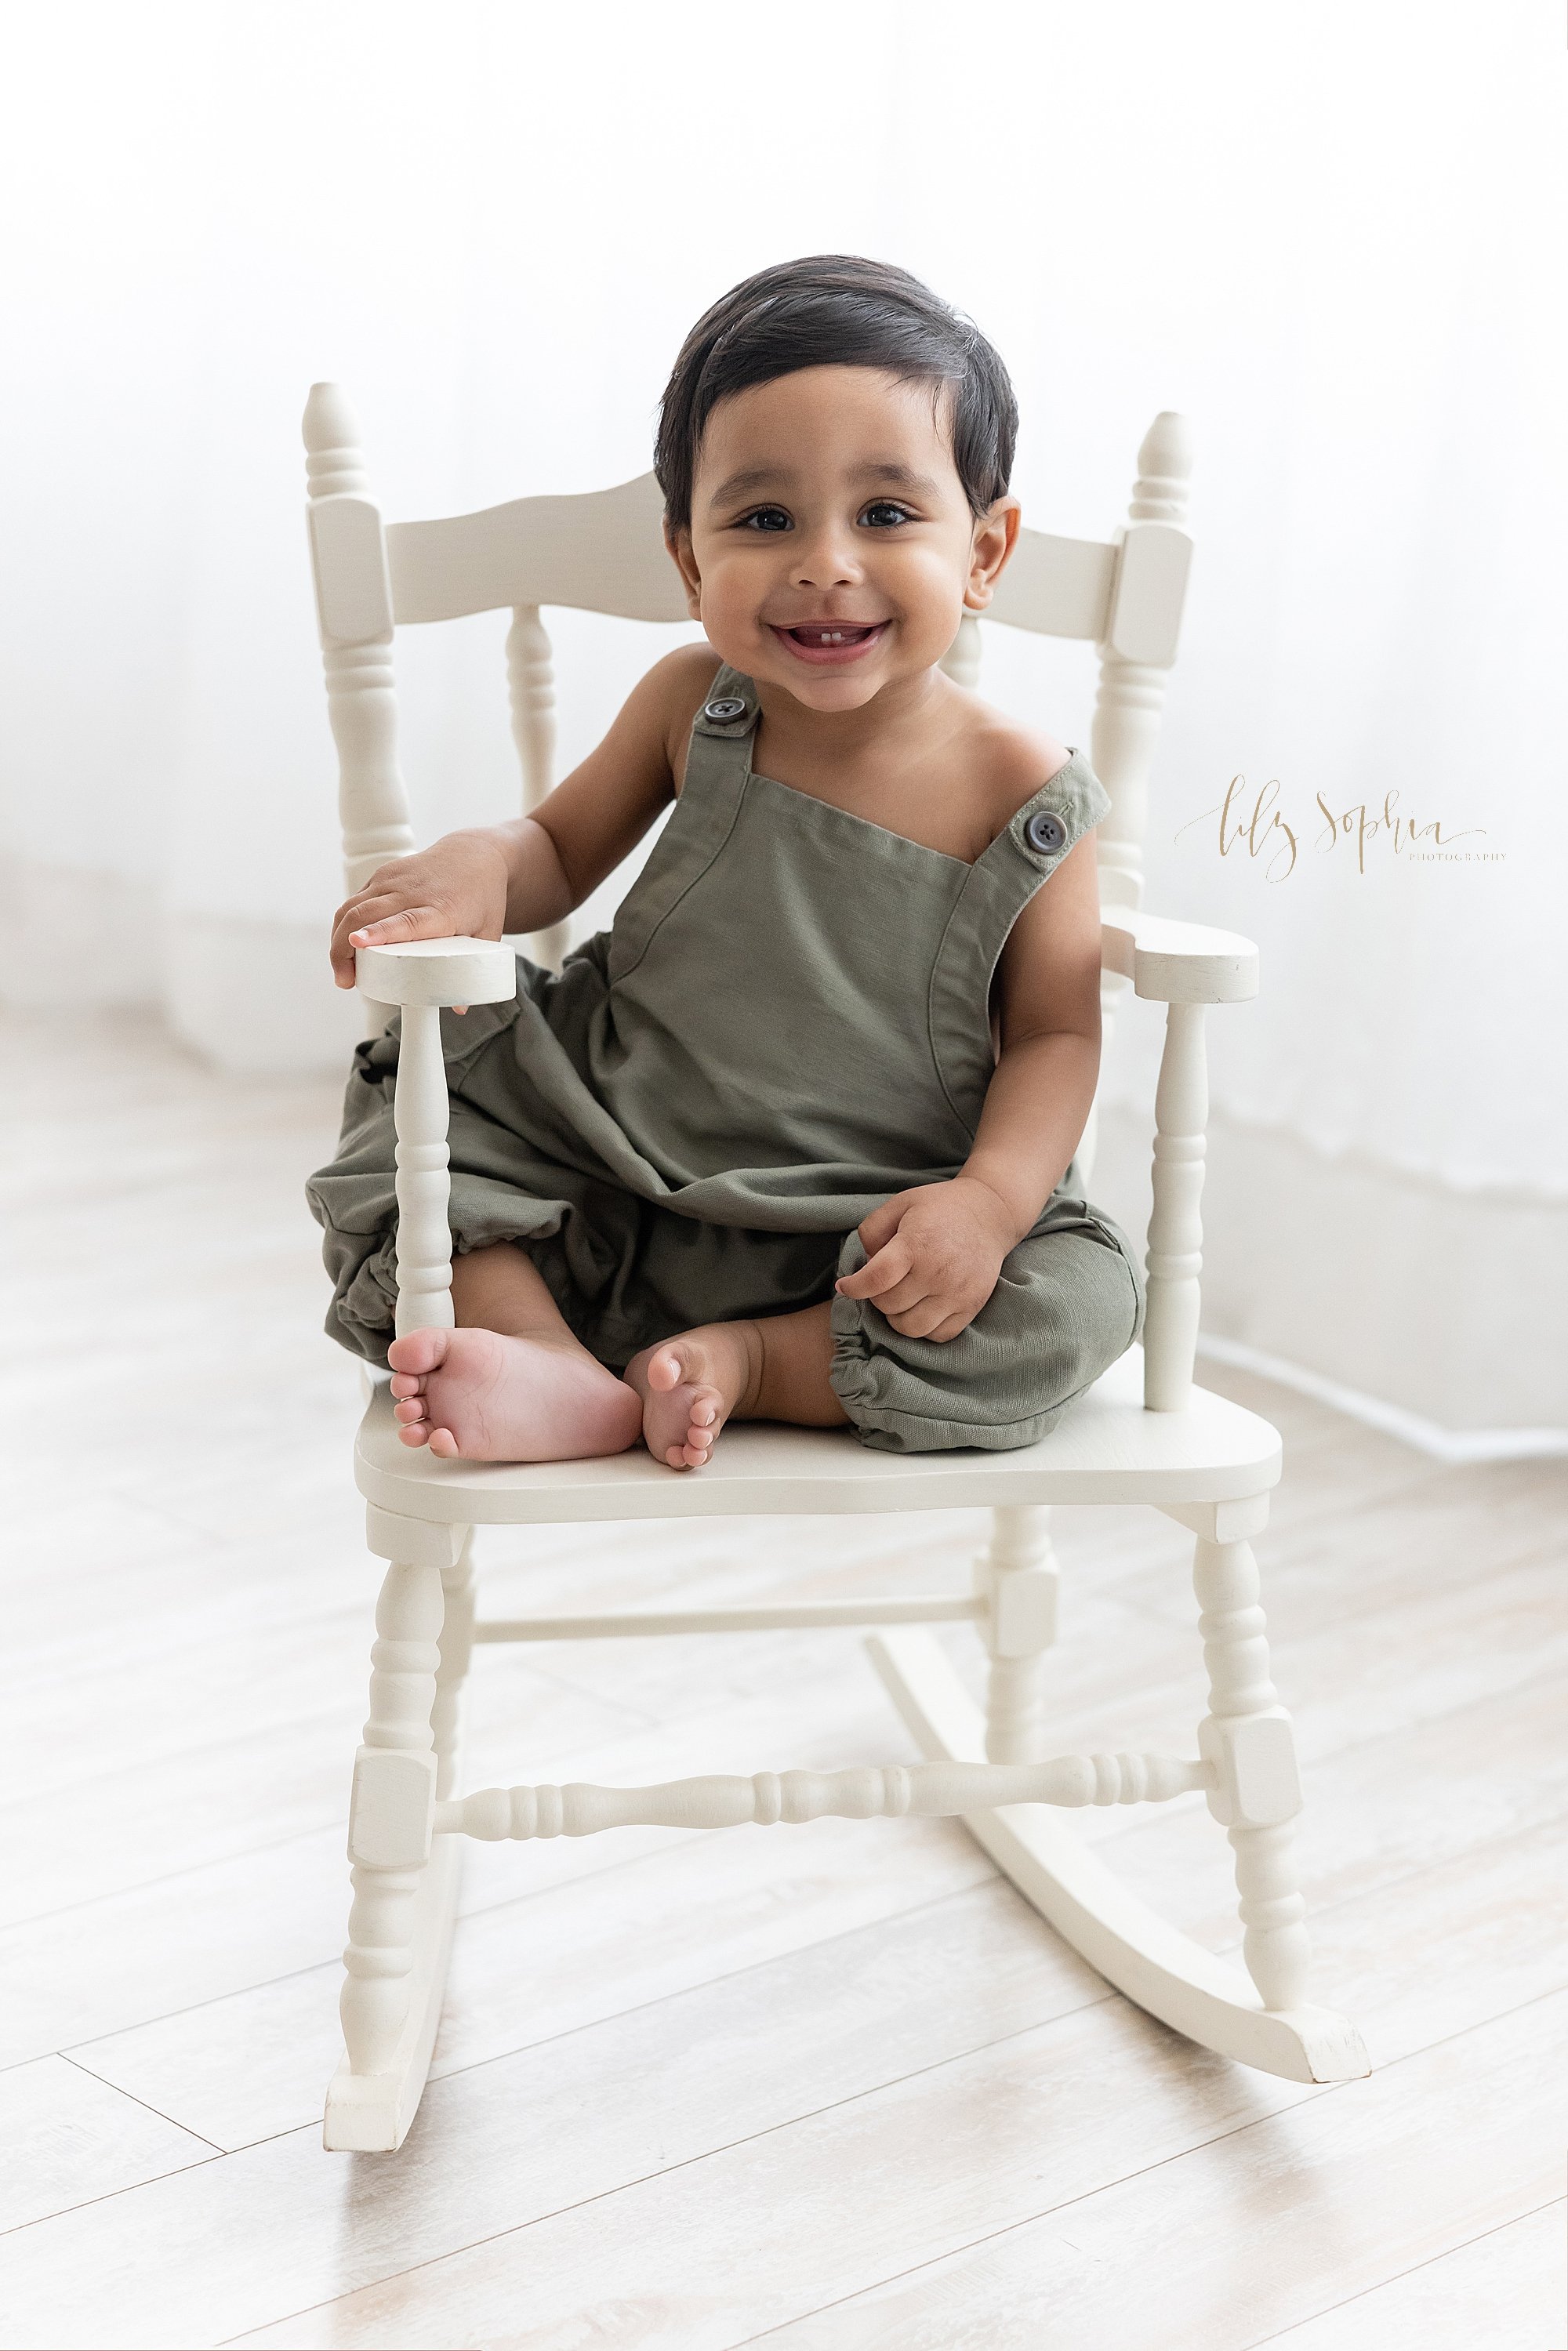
[{"x": 455, "y": 888}]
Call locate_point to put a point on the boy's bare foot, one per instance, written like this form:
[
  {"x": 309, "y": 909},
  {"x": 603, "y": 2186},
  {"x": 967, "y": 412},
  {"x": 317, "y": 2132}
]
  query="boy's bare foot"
[
  {"x": 690, "y": 1385},
  {"x": 488, "y": 1396}
]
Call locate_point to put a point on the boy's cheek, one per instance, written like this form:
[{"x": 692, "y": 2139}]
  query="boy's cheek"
[
  {"x": 731, "y": 600},
  {"x": 733, "y": 629}
]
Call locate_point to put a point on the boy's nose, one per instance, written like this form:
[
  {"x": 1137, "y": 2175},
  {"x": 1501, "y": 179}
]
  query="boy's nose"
[{"x": 827, "y": 562}]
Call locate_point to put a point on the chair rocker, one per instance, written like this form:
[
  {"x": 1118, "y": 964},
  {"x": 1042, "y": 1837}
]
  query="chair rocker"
[{"x": 1143, "y": 1433}]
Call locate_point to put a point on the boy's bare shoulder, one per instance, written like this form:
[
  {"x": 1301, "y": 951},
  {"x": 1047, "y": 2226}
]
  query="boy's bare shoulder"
[
  {"x": 1009, "y": 762},
  {"x": 673, "y": 691}
]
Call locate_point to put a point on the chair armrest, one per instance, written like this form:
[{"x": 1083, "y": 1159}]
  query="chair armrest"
[
  {"x": 1176, "y": 963},
  {"x": 438, "y": 972},
  {"x": 423, "y": 976},
  {"x": 1183, "y": 966}
]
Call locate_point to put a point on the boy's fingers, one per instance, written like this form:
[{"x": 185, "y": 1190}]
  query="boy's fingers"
[
  {"x": 352, "y": 916},
  {"x": 904, "y": 1296},
  {"x": 889, "y": 1265},
  {"x": 361, "y": 902},
  {"x": 361, "y": 910},
  {"x": 920, "y": 1320},
  {"x": 881, "y": 1224},
  {"x": 413, "y": 923}
]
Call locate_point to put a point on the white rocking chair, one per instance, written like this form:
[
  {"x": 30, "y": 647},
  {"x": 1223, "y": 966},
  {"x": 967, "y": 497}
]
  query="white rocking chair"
[{"x": 1142, "y": 1433}]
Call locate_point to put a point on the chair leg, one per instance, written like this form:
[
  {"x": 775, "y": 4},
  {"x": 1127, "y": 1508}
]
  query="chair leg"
[
  {"x": 379, "y": 1959},
  {"x": 1246, "y": 1735},
  {"x": 1259, "y": 2018},
  {"x": 1017, "y": 1577},
  {"x": 404, "y": 1883},
  {"x": 456, "y": 1648}
]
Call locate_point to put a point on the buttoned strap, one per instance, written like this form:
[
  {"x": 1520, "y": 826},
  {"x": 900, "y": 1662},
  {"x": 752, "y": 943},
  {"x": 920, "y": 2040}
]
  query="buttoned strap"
[
  {"x": 1000, "y": 883},
  {"x": 720, "y": 753}
]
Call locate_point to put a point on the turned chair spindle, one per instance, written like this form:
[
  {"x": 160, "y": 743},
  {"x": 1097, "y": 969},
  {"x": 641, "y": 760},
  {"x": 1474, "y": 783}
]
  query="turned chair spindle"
[{"x": 530, "y": 679}]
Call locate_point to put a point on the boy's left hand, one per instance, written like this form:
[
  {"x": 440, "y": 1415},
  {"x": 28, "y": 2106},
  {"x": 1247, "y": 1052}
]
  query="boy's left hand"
[{"x": 933, "y": 1255}]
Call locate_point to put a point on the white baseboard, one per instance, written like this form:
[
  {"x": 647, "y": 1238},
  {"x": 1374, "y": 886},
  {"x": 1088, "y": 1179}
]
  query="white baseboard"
[
  {"x": 1433, "y": 1313},
  {"x": 1442, "y": 1444}
]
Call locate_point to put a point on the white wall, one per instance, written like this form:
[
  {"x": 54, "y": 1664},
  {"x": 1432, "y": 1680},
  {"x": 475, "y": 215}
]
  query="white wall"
[{"x": 1332, "y": 235}]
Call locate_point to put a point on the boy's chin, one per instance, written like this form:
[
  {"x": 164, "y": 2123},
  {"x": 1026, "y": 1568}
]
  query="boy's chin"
[
  {"x": 835, "y": 689},
  {"x": 850, "y": 688}
]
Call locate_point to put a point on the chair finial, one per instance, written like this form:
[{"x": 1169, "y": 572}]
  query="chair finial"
[
  {"x": 1165, "y": 468},
  {"x": 334, "y": 460}
]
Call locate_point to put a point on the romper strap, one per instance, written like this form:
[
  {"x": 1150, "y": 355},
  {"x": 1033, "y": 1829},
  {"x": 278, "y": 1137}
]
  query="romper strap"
[
  {"x": 718, "y": 756},
  {"x": 1000, "y": 883},
  {"x": 730, "y": 710},
  {"x": 718, "y": 767}
]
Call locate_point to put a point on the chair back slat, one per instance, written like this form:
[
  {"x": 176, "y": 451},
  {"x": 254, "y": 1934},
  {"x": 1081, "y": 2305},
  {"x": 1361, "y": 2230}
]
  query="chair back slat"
[
  {"x": 602, "y": 553},
  {"x": 1055, "y": 587}
]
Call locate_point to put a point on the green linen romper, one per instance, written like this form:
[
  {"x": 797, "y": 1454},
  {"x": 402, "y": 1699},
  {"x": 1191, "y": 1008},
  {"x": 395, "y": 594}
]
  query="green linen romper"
[{"x": 788, "y": 1020}]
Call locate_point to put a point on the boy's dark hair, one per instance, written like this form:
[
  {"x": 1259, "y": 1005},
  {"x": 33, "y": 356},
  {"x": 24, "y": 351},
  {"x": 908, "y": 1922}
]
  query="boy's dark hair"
[{"x": 837, "y": 310}]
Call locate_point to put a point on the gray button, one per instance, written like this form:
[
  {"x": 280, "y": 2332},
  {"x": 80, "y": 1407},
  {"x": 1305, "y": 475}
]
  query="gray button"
[
  {"x": 1045, "y": 832},
  {"x": 729, "y": 706}
]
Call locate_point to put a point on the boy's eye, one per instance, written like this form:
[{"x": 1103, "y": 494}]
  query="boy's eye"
[
  {"x": 882, "y": 513},
  {"x": 765, "y": 519}
]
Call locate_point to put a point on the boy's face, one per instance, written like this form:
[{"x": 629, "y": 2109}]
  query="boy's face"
[{"x": 832, "y": 550}]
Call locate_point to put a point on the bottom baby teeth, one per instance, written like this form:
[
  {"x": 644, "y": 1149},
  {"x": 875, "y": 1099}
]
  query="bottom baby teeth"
[{"x": 823, "y": 640}]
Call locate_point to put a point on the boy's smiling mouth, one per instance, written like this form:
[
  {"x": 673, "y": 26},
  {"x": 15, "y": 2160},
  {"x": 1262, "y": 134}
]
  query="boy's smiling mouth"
[{"x": 829, "y": 643}]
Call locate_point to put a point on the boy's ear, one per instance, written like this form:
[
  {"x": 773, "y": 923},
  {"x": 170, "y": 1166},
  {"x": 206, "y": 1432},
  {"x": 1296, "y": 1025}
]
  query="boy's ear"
[
  {"x": 996, "y": 536},
  {"x": 679, "y": 543}
]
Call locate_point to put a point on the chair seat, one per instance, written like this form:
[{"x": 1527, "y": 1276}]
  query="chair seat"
[{"x": 1105, "y": 1448}]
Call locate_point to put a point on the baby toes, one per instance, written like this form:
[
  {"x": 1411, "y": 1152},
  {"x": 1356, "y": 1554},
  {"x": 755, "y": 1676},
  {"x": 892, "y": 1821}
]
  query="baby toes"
[
  {"x": 682, "y": 1412},
  {"x": 697, "y": 1448},
  {"x": 417, "y": 1352}
]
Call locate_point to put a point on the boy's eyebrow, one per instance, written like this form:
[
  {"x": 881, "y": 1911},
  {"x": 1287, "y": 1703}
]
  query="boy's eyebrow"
[
  {"x": 880, "y": 470},
  {"x": 752, "y": 477},
  {"x": 888, "y": 469}
]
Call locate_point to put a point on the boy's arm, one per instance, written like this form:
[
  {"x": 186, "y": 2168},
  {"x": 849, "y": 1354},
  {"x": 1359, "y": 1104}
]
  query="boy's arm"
[
  {"x": 528, "y": 872},
  {"x": 934, "y": 1253},
  {"x": 1038, "y": 1102}
]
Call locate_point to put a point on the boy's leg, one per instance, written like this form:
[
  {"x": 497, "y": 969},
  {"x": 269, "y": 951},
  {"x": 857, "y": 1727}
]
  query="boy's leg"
[
  {"x": 501, "y": 1289},
  {"x": 773, "y": 1367},
  {"x": 510, "y": 1382}
]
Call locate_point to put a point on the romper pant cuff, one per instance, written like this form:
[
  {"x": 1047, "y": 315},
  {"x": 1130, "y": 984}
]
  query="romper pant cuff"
[{"x": 1068, "y": 1302}]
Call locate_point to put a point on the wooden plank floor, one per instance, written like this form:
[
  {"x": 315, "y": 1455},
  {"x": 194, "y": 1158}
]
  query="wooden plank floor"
[{"x": 831, "y": 2087}]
